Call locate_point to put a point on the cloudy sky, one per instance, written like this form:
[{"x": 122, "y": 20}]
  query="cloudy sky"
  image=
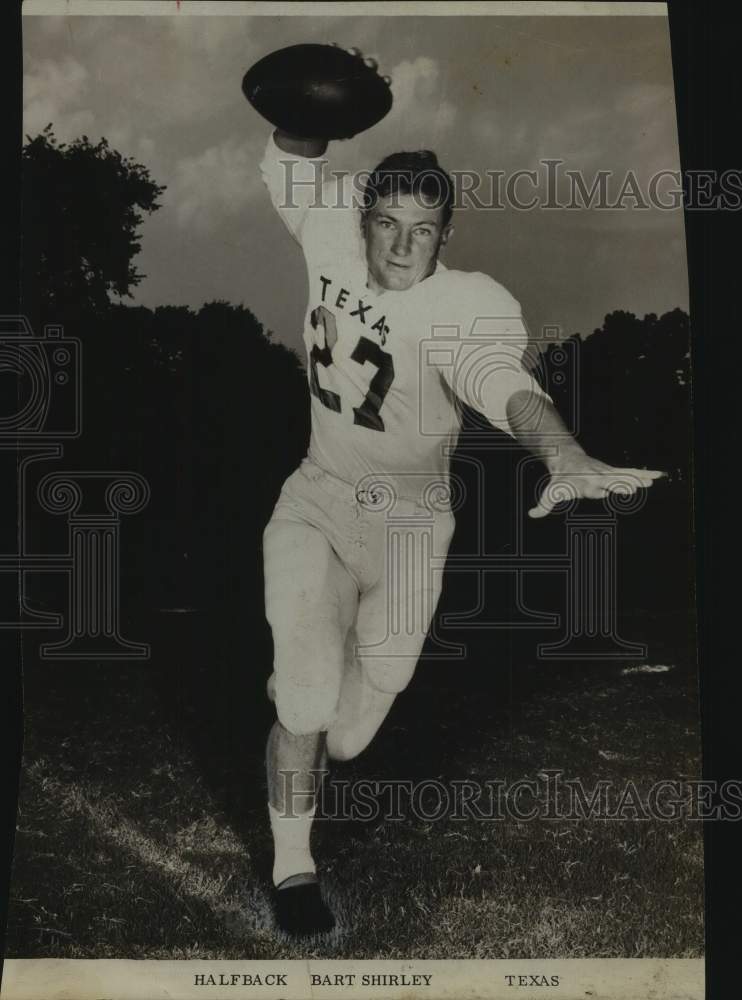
[{"x": 486, "y": 93}]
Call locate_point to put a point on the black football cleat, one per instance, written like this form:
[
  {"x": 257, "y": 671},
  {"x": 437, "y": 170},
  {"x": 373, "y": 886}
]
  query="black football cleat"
[{"x": 300, "y": 909}]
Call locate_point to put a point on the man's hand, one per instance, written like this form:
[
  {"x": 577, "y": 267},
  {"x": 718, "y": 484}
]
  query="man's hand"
[
  {"x": 298, "y": 146},
  {"x": 349, "y": 120},
  {"x": 576, "y": 475}
]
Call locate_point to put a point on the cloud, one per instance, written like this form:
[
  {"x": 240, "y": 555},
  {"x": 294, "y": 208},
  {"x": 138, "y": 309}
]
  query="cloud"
[
  {"x": 52, "y": 92},
  {"x": 633, "y": 129},
  {"x": 211, "y": 186},
  {"x": 49, "y": 26},
  {"x": 648, "y": 114},
  {"x": 646, "y": 99},
  {"x": 579, "y": 136},
  {"x": 130, "y": 142},
  {"x": 418, "y": 97},
  {"x": 209, "y": 36}
]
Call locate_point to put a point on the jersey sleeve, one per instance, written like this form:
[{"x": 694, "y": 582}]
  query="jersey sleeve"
[
  {"x": 483, "y": 355},
  {"x": 294, "y": 184},
  {"x": 321, "y": 215}
]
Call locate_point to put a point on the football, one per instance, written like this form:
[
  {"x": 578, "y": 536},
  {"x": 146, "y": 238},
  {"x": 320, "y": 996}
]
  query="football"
[{"x": 317, "y": 91}]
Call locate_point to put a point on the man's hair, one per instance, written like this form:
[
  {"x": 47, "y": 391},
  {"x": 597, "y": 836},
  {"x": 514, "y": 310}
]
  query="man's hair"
[{"x": 416, "y": 173}]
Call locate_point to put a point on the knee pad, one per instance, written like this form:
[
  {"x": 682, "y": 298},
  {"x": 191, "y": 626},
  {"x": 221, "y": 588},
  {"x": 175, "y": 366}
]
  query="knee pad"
[
  {"x": 303, "y": 709},
  {"x": 390, "y": 675},
  {"x": 346, "y": 747}
]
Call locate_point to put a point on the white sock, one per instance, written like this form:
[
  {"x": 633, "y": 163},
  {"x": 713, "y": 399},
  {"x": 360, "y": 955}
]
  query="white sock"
[{"x": 291, "y": 844}]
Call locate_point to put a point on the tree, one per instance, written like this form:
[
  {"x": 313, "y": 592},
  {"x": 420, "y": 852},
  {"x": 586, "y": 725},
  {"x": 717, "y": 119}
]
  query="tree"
[
  {"x": 82, "y": 208},
  {"x": 633, "y": 385}
]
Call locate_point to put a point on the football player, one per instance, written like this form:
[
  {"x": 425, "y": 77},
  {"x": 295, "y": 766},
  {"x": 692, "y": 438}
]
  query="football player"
[{"x": 391, "y": 335}]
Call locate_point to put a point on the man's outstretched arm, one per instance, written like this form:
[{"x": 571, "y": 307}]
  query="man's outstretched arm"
[{"x": 536, "y": 425}]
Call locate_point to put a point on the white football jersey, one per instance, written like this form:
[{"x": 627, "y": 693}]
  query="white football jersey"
[{"x": 385, "y": 368}]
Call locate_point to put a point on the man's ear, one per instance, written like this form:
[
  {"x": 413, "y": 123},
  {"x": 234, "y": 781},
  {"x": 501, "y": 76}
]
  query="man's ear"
[{"x": 446, "y": 234}]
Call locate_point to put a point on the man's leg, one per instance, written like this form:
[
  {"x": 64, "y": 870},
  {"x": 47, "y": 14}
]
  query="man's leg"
[
  {"x": 361, "y": 709},
  {"x": 391, "y": 627},
  {"x": 310, "y": 602},
  {"x": 293, "y": 766}
]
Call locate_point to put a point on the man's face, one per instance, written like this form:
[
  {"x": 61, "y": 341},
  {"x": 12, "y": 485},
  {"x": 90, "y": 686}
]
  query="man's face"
[{"x": 403, "y": 236}]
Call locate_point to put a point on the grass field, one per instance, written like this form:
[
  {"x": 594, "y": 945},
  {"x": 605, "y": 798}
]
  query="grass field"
[{"x": 142, "y": 828}]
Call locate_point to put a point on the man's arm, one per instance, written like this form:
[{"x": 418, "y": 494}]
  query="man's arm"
[
  {"x": 489, "y": 375},
  {"x": 292, "y": 169},
  {"x": 537, "y": 426}
]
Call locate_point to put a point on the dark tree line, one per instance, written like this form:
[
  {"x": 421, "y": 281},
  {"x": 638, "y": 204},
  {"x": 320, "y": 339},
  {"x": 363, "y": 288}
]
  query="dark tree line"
[
  {"x": 215, "y": 415},
  {"x": 633, "y": 390}
]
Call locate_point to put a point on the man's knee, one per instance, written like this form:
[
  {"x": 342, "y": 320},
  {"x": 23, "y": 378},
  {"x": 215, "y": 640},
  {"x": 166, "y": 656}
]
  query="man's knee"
[
  {"x": 308, "y": 669},
  {"x": 354, "y": 730},
  {"x": 345, "y": 746},
  {"x": 388, "y": 675},
  {"x": 304, "y": 709}
]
